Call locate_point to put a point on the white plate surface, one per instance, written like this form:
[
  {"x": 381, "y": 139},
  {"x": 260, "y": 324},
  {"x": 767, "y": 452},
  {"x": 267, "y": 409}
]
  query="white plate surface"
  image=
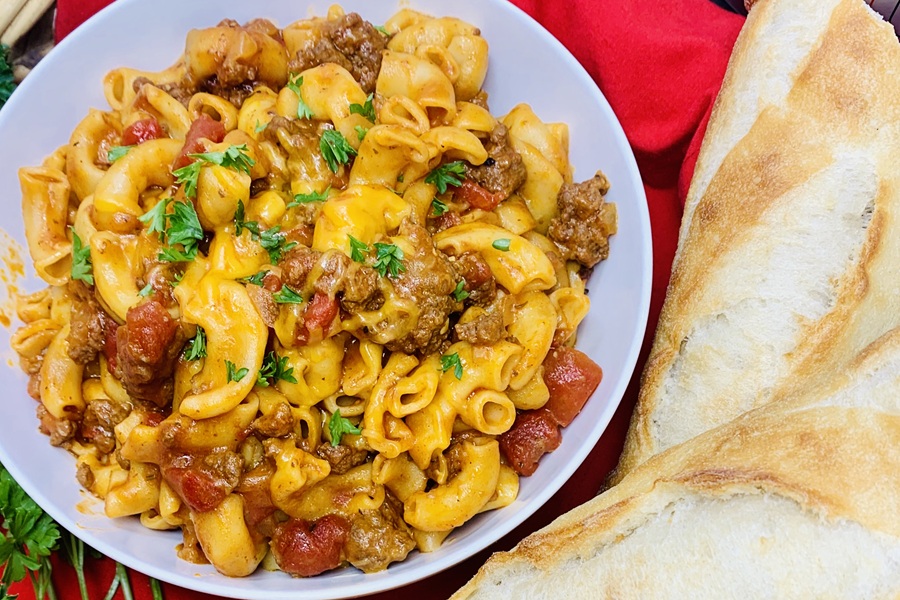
[{"x": 526, "y": 65}]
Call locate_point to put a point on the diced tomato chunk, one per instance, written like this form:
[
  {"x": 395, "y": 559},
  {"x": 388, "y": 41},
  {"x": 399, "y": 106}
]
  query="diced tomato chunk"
[
  {"x": 203, "y": 127},
  {"x": 534, "y": 433},
  {"x": 476, "y": 196},
  {"x": 142, "y": 131},
  {"x": 305, "y": 549},
  {"x": 199, "y": 489},
  {"x": 571, "y": 376},
  {"x": 321, "y": 312}
]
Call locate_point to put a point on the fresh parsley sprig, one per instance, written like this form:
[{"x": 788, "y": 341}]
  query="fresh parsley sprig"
[
  {"x": 367, "y": 109},
  {"x": 29, "y": 534},
  {"x": 459, "y": 293},
  {"x": 275, "y": 368},
  {"x": 358, "y": 249},
  {"x": 82, "y": 267},
  {"x": 256, "y": 278},
  {"x": 294, "y": 84},
  {"x": 388, "y": 259},
  {"x": 233, "y": 157},
  {"x": 452, "y": 361},
  {"x": 196, "y": 349},
  {"x": 335, "y": 149},
  {"x": 117, "y": 152},
  {"x": 7, "y": 81},
  {"x": 438, "y": 207},
  {"x": 448, "y": 174},
  {"x": 272, "y": 239},
  {"x": 338, "y": 425},
  {"x": 181, "y": 226},
  {"x": 309, "y": 198},
  {"x": 233, "y": 373},
  {"x": 287, "y": 296}
]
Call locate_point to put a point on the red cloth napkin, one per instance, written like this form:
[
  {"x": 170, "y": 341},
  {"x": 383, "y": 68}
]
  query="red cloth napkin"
[{"x": 660, "y": 64}]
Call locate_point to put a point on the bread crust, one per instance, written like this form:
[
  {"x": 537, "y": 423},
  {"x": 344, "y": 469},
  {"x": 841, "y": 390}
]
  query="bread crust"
[
  {"x": 805, "y": 126},
  {"x": 824, "y": 459}
]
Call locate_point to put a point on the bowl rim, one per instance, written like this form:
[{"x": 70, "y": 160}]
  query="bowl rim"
[{"x": 439, "y": 561}]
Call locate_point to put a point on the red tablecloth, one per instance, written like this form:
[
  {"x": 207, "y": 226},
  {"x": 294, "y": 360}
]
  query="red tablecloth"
[{"x": 660, "y": 64}]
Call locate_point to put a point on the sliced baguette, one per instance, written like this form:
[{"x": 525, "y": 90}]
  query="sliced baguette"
[
  {"x": 797, "y": 499},
  {"x": 785, "y": 267}
]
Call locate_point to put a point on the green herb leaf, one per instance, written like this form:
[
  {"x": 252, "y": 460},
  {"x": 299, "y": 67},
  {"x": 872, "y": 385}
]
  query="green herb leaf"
[
  {"x": 446, "y": 175},
  {"x": 309, "y": 198},
  {"x": 275, "y": 368},
  {"x": 31, "y": 535},
  {"x": 234, "y": 158},
  {"x": 452, "y": 361},
  {"x": 358, "y": 249},
  {"x": 256, "y": 278},
  {"x": 235, "y": 374},
  {"x": 287, "y": 296},
  {"x": 197, "y": 347},
  {"x": 335, "y": 148},
  {"x": 146, "y": 291},
  {"x": 260, "y": 127},
  {"x": 184, "y": 226},
  {"x": 275, "y": 243},
  {"x": 117, "y": 152},
  {"x": 156, "y": 217},
  {"x": 7, "y": 81},
  {"x": 388, "y": 259},
  {"x": 381, "y": 29},
  {"x": 501, "y": 244},
  {"x": 460, "y": 294},
  {"x": 338, "y": 425},
  {"x": 367, "y": 110},
  {"x": 82, "y": 267},
  {"x": 360, "y": 132},
  {"x": 303, "y": 109},
  {"x": 438, "y": 207}
]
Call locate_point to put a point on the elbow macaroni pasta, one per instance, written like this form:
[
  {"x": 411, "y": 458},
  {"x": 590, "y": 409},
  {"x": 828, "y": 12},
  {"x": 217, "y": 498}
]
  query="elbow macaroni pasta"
[{"x": 279, "y": 304}]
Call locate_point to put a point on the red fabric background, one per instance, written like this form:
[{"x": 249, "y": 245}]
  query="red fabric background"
[{"x": 660, "y": 64}]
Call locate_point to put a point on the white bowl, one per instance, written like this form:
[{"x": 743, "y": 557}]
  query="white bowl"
[{"x": 526, "y": 65}]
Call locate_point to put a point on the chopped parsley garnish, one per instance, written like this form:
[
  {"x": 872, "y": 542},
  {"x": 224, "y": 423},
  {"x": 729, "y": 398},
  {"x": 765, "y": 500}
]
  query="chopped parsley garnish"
[
  {"x": 309, "y": 198},
  {"x": 117, "y": 152},
  {"x": 275, "y": 243},
  {"x": 260, "y": 127},
  {"x": 367, "y": 110},
  {"x": 287, "y": 296},
  {"x": 360, "y": 132},
  {"x": 358, "y": 249},
  {"x": 7, "y": 81},
  {"x": 272, "y": 240},
  {"x": 81, "y": 260},
  {"x": 338, "y": 425},
  {"x": 235, "y": 374},
  {"x": 303, "y": 109},
  {"x": 460, "y": 294},
  {"x": 234, "y": 158},
  {"x": 446, "y": 175},
  {"x": 335, "y": 148},
  {"x": 146, "y": 291},
  {"x": 381, "y": 29},
  {"x": 438, "y": 207},
  {"x": 275, "y": 368},
  {"x": 181, "y": 226},
  {"x": 452, "y": 361},
  {"x": 501, "y": 244},
  {"x": 256, "y": 278},
  {"x": 197, "y": 347},
  {"x": 388, "y": 259}
]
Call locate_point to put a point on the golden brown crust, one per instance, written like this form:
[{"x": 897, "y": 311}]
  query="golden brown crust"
[{"x": 834, "y": 121}]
